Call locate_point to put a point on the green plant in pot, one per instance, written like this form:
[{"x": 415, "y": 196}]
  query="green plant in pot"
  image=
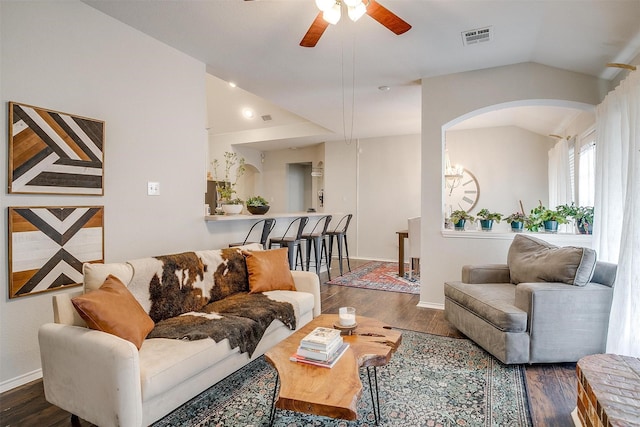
[
  {"x": 487, "y": 218},
  {"x": 516, "y": 220},
  {"x": 533, "y": 222},
  {"x": 584, "y": 219},
  {"x": 257, "y": 205},
  {"x": 234, "y": 168},
  {"x": 459, "y": 219},
  {"x": 582, "y": 215},
  {"x": 551, "y": 218}
]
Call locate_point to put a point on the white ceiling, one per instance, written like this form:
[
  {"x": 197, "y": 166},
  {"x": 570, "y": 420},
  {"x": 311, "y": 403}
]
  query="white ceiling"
[{"x": 309, "y": 92}]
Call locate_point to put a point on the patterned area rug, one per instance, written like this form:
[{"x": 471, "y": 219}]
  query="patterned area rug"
[
  {"x": 430, "y": 381},
  {"x": 380, "y": 276}
]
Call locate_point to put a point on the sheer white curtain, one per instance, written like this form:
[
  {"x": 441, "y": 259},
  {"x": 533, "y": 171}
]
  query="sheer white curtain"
[
  {"x": 559, "y": 175},
  {"x": 617, "y": 208}
]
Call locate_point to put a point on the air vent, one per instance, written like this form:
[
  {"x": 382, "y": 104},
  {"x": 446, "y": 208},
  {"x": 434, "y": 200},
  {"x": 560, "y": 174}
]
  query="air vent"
[
  {"x": 479, "y": 35},
  {"x": 266, "y": 118}
]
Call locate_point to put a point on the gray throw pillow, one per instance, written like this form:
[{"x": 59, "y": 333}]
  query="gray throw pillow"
[{"x": 534, "y": 260}]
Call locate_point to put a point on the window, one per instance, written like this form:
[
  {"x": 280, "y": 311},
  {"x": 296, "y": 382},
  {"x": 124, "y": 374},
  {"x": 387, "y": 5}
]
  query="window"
[{"x": 585, "y": 171}]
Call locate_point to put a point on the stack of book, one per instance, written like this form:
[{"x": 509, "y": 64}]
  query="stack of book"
[{"x": 321, "y": 347}]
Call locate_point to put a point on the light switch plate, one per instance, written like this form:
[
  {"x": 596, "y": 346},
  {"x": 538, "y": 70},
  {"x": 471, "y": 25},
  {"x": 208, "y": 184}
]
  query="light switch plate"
[{"x": 153, "y": 188}]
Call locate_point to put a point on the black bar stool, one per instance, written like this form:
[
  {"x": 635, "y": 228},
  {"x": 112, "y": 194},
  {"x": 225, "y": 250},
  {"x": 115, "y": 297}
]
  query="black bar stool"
[
  {"x": 340, "y": 232},
  {"x": 268, "y": 224},
  {"x": 292, "y": 242},
  {"x": 316, "y": 239}
]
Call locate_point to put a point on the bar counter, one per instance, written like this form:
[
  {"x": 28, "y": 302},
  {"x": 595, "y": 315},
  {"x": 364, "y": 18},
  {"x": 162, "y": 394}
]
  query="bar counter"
[{"x": 246, "y": 217}]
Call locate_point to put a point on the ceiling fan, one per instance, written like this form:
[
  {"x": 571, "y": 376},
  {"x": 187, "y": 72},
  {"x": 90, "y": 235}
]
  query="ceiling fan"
[{"x": 331, "y": 10}]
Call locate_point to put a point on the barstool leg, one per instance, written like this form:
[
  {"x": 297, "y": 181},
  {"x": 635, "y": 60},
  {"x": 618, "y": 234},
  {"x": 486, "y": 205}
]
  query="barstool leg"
[
  {"x": 340, "y": 253},
  {"x": 330, "y": 251},
  {"x": 346, "y": 251},
  {"x": 317, "y": 251},
  {"x": 301, "y": 257},
  {"x": 292, "y": 256},
  {"x": 309, "y": 242},
  {"x": 326, "y": 257}
]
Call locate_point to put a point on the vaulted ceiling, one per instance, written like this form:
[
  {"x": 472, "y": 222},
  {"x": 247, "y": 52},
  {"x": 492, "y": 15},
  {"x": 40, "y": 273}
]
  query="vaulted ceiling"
[{"x": 332, "y": 90}]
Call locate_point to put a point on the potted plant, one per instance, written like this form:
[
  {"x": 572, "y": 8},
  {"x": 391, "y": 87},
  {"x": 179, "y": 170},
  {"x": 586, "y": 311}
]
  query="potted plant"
[
  {"x": 582, "y": 215},
  {"x": 547, "y": 219},
  {"x": 257, "y": 205},
  {"x": 584, "y": 219},
  {"x": 459, "y": 219},
  {"x": 225, "y": 185},
  {"x": 516, "y": 220},
  {"x": 233, "y": 206},
  {"x": 487, "y": 218},
  {"x": 550, "y": 218},
  {"x": 533, "y": 221}
]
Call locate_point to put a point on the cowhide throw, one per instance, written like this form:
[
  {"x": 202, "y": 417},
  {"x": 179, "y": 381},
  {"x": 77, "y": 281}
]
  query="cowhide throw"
[
  {"x": 242, "y": 318},
  {"x": 169, "y": 285},
  {"x": 173, "y": 293},
  {"x": 230, "y": 275}
]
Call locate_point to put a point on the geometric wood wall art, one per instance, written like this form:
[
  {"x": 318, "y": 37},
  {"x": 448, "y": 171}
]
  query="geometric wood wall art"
[
  {"x": 48, "y": 245},
  {"x": 54, "y": 153}
]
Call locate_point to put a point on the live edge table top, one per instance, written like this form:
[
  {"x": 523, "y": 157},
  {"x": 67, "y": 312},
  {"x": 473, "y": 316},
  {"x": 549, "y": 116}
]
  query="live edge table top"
[{"x": 331, "y": 392}]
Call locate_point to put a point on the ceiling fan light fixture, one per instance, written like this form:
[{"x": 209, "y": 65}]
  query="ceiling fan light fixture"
[
  {"x": 332, "y": 16},
  {"x": 352, "y": 3},
  {"x": 325, "y": 5},
  {"x": 356, "y": 12}
]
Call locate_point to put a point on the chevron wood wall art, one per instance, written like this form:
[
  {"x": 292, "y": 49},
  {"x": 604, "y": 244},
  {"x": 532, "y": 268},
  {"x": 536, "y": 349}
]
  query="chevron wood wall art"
[
  {"x": 54, "y": 153},
  {"x": 48, "y": 245}
]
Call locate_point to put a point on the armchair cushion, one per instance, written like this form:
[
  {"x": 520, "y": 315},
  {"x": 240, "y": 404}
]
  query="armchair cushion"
[
  {"x": 534, "y": 260},
  {"x": 493, "y": 302},
  {"x": 113, "y": 309}
]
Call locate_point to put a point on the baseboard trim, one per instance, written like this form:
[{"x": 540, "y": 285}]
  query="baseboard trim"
[
  {"x": 20, "y": 380},
  {"x": 426, "y": 304}
]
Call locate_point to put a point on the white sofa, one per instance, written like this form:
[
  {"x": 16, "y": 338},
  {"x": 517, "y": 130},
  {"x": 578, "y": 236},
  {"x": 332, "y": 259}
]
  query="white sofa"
[{"x": 107, "y": 381}]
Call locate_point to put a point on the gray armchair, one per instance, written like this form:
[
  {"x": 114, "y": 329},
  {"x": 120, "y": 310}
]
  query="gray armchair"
[{"x": 535, "y": 320}]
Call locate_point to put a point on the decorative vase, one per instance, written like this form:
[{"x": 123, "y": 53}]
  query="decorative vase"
[
  {"x": 517, "y": 226},
  {"x": 459, "y": 226},
  {"x": 258, "y": 210},
  {"x": 232, "y": 209},
  {"x": 486, "y": 224},
  {"x": 550, "y": 226}
]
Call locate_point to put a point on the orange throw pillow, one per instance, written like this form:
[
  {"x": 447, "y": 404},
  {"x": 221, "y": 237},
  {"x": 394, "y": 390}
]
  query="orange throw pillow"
[
  {"x": 269, "y": 271},
  {"x": 114, "y": 310}
]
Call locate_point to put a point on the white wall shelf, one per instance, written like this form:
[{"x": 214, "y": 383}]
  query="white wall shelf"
[{"x": 560, "y": 239}]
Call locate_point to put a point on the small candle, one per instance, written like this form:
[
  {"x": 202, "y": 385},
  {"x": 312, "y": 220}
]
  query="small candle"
[{"x": 347, "y": 316}]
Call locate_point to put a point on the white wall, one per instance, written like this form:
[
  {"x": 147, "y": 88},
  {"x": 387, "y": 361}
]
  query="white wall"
[
  {"x": 67, "y": 56},
  {"x": 509, "y": 163},
  {"x": 388, "y": 185},
  {"x": 446, "y": 99}
]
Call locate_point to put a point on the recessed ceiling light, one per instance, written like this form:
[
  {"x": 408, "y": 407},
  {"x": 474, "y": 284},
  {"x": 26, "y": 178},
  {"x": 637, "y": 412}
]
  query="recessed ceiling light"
[
  {"x": 232, "y": 84},
  {"x": 248, "y": 113}
]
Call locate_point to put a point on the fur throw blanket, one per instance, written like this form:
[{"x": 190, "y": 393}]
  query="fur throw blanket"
[
  {"x": 242, "y": 318},
  {"x": 196, "y": 295}
]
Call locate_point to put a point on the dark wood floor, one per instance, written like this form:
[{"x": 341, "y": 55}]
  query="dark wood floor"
[{"x": 551, "y": 388}]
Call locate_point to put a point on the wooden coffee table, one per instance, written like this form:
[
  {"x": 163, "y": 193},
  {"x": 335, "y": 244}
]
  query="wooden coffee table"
[{"x": 332, "y": 392}]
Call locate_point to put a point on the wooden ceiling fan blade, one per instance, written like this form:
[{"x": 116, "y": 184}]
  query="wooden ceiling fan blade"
[
  {"x": 387, "y": 18},
  {"x": 314, "y": 32}
]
